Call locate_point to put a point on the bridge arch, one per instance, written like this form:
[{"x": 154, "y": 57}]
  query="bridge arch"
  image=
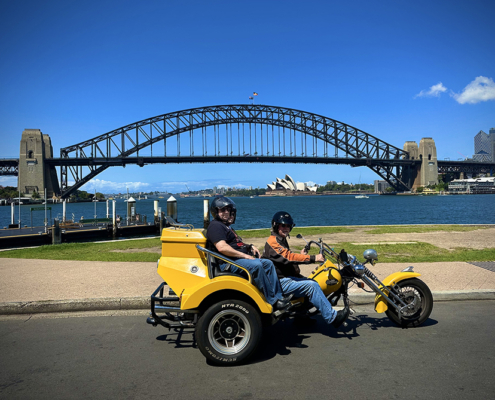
[{"x": 253, "y": 133}]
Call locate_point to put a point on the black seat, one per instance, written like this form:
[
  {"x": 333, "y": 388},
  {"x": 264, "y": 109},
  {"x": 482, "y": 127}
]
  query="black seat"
[{"x": 214, "y": 269}]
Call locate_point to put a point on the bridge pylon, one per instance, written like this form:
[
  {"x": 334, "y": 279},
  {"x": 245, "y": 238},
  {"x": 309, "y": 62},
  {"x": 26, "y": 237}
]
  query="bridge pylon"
[
  {"x": 426, "y": 173},
  {"x": 35, "y": 175}
]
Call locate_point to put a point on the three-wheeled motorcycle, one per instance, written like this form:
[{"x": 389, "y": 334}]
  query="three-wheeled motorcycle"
[{"x": 228, "y": 312}]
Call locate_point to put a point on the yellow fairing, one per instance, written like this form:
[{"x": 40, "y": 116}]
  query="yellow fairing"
[
  {"x": 381, "y": 304},
  {"x": 182, "y": 265},
  {"x": 192, "y": 297},
  {"x": 325, "y": 272}
]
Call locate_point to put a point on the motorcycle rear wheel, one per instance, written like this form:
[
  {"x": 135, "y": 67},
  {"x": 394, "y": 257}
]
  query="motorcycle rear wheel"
[{"x": 413, "y": 291}]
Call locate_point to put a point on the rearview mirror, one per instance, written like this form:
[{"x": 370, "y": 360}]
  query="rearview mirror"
[{"x": 370, "y": 254}]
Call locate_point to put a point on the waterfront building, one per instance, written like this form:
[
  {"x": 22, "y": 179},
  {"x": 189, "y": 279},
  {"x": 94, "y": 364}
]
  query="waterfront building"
[
  {"x": 381, "y": 186},
  {"x": 472, "y": 186}
]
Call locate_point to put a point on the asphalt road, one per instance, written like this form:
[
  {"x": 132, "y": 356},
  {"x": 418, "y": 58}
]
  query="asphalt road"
[{"x": 98, "y": 357}]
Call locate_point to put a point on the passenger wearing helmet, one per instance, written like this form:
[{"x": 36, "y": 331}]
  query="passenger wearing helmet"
[
  {"x": 222, "y": 238},
  {"x": 286, "y": 263}
]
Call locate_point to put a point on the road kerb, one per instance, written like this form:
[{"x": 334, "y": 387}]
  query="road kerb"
[{"x": 141, "y": 303}]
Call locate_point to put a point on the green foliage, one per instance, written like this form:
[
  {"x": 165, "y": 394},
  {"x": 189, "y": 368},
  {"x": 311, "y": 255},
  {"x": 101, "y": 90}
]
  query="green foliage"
[
  {"x": 35, "y": 195},
  {"x": 346, "y": 188},
  {"x": 245, "y": 192},
  {"x": 81, "y": 195},
  {"x": 100, "y": 196},
  {"x": 420, "y": 190},
  {"x": 9, "y": 192}
]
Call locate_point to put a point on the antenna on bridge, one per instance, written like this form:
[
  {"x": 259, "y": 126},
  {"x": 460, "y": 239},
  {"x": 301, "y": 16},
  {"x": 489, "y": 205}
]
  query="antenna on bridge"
[{"x": 465, "y": 158}]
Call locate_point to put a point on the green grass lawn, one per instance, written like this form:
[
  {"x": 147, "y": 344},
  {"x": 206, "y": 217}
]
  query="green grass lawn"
[
  {"x": 96, "y": 251},
  {"x": 414, "y": 253},
  {"x": 264, "y": 233},
  {"x": 144, "y": 250},
  {"x": 422, "y": 229}
]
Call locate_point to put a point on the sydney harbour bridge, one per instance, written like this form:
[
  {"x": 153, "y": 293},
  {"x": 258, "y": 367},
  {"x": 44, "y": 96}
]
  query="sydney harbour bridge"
[{"x": 244, "y": 133}]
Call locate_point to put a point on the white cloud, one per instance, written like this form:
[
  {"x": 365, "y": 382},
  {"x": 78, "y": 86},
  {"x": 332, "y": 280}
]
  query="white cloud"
[
  {"x": 481, "y": 89},
  {"x": 8, "y": 181},
  {"x": 109, "y": 186},
  {"x": 434, "y": 91}
]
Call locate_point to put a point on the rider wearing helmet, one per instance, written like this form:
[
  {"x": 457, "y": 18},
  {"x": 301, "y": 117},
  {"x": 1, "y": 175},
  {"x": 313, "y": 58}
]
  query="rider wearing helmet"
[
  {"x": 286, "y": 263},
  {"x": 222, "y": 238}
]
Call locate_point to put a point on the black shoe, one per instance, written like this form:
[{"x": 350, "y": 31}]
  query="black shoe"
[
  {"x": 282, "y": 305},
  {"x": 340, "y": 318}
]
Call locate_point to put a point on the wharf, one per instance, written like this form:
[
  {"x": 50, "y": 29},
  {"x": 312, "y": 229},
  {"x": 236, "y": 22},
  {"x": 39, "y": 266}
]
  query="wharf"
[{"x": 37, "y": 236}]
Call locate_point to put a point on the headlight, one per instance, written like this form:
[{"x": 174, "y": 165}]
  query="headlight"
[{"x": 359, "y": 269}]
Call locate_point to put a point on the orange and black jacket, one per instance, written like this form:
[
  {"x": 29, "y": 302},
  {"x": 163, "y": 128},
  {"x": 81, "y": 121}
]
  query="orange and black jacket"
[{"x": 277, "y": 250}]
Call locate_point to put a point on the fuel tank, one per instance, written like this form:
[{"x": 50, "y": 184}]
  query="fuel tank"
[{"x": 328, "y": 277}]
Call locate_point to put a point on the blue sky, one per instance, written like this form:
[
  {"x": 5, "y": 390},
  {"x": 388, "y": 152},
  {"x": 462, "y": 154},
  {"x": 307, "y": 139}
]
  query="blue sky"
[{"x": 399, "y": 70}]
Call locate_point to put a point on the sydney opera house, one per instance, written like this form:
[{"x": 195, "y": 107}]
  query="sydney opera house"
[{"x": 288, "y": 184}]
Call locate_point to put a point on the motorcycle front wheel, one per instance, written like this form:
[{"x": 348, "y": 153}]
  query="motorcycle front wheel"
[{"x": 416, "y": 293}]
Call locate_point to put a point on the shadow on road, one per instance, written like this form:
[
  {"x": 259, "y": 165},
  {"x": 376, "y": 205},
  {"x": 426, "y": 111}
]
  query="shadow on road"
[
  {"x": 181, "y": 338},
  {"x": 280, "y": 338}
]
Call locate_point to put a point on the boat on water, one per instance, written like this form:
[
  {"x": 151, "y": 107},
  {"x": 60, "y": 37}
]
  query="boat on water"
[{"x": 361, "y": 196}]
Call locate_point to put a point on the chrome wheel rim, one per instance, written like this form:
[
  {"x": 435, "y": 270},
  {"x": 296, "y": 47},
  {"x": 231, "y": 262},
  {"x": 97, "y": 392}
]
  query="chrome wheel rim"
[
  {"x": 413, "y": 298},
  {"x": 229, "y": 332}
]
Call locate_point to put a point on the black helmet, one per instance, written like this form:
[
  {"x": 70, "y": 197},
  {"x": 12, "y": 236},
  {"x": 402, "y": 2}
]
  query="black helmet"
[
  {"x": 221, "y": 202},
  {"x": 282, "y": 217}
]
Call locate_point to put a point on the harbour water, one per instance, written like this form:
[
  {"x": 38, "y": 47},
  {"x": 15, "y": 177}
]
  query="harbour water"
[{"x": 257, "y": 212}]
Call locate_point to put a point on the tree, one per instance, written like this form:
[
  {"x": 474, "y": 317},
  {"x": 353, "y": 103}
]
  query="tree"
[
  {"x": 420, "y": 189},
  {"x": 9, "y": 192},
  {"x": 35, "y": 195}
]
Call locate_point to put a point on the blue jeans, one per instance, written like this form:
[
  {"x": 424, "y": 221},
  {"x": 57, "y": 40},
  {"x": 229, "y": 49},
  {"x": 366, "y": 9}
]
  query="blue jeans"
[
  {"x": 264, "y": 276},
  {"x": 302, "y": 287}
]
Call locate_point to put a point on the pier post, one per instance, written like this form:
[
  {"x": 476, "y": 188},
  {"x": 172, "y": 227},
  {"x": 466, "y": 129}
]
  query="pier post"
[
  {"x": 155, "y": 208},
  {"x": 114, "y": 220},
  {"x": 56, "y": 232},
  {"x": 206, "y": 213},
  {"x": 160, "y": 216},
  {"x": 172, "y": 208},
  {"x": 64, "y": 210},
  {"x": 12, "y": 213}
]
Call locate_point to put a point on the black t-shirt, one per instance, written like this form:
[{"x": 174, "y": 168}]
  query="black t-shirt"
[{"x": 219, "y": 231}]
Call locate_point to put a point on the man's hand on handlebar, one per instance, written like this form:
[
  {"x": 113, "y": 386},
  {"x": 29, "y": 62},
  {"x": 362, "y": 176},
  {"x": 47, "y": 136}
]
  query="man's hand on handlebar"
[
  {"x": 255, "y": 252},
  {"x": 318, "y": 257}
]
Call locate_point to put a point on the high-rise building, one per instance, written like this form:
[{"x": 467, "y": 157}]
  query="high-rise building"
[
  {"x": 491, "y": 137},
  {"x": 484, "y": 146}
]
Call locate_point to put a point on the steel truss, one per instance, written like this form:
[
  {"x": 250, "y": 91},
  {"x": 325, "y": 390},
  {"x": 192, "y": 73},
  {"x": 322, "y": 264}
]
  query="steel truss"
[
  {"x": 9, "y": 167},
  {"x": 256, "y": 140},
  {"x": 468, "y": 167}
]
